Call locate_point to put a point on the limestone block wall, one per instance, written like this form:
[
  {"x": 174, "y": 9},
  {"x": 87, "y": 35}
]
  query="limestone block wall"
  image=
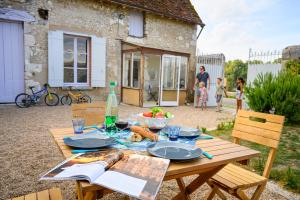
[{"x": 101, "y": 19}]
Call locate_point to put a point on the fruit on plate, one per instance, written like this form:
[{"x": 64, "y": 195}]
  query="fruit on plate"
[{"x": 157, "y": 112}]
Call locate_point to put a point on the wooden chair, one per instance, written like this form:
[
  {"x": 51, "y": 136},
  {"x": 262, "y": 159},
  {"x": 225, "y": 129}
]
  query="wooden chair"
[
  {"x": 260, "y": 128},
  {"x": 51, "y": 194},
  {"x": 93, "y": 113}
]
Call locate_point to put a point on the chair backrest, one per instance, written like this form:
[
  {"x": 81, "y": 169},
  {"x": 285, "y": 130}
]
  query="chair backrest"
[
  {"x": 93, "y": 113},
  {"x": 260, "y": 128}
]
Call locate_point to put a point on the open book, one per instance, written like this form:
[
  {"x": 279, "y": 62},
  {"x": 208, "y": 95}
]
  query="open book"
[{"x": 135, "y": 175}]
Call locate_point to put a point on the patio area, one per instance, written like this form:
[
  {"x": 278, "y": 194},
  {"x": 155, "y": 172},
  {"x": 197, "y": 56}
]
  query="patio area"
[{"x": 27, "y": 149}]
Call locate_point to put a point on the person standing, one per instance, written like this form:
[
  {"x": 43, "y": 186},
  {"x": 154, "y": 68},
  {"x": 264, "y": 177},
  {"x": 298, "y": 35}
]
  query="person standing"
[
  {"x": 202, "y": 76},
  {"x": 239, "y": 93},
  {"x": 220, "y": 90},
  {"x": 203, "y": 96}
]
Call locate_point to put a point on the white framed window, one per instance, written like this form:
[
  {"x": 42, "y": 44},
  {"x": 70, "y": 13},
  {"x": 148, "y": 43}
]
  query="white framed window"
[
  {"x": 131, "y": 69},
  {"x": 76, "y": 60},
  {"x": 136, "y": 24}
]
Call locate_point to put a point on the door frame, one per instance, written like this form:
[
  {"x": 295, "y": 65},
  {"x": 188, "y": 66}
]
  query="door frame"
[{"x": 169, "y": 103}]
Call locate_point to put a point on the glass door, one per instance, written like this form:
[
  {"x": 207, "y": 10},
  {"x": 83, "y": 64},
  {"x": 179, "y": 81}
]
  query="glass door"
[
  {"x": 170, "y": 79},
  {"x": 152, "y": 64}
]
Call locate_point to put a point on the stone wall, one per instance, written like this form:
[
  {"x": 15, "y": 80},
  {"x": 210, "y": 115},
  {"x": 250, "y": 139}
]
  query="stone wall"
[{"x": 94, "y": 18}]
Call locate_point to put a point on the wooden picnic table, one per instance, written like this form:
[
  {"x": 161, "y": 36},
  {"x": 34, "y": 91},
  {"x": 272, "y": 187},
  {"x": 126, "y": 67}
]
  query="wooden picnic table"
[{"x": 224, "y": 152}]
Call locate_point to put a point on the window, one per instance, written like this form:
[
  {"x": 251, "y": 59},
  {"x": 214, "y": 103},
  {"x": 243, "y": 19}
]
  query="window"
[
  {"x": 183, "y": 70},
  {"x": 131, "y": 69},
  {"x": 126, "y": 70},
  {"x": 136, "y": 24},
  {"x": 76, "y": 57},
  {"x": 171, "y": 72}
]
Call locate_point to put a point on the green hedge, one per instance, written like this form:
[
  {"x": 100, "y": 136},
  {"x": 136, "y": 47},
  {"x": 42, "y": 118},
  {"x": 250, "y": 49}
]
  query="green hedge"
[{"x": 281, "y": 92}]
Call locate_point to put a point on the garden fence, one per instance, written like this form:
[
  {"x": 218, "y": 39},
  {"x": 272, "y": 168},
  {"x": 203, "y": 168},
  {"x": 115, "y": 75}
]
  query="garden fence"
[{"x": 263, "y": 62}]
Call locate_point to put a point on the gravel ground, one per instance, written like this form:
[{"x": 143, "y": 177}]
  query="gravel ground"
[{"x": 27, "y": 149}]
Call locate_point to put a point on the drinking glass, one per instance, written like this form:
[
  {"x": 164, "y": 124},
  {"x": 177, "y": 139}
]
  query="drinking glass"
[
  {"x": 173, "y": 132},
  {"x": 121, "y": 125},
  {"x": 78, "y": 125}
]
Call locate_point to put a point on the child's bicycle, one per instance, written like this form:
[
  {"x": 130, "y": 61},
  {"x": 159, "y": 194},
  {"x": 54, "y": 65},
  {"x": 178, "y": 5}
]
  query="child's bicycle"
[
  {"x": 25, "y": 100},
  {"x": 77, "y": 98}
]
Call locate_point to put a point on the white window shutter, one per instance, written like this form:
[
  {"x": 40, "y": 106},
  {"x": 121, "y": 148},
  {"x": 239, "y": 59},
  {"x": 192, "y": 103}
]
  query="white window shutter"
[
  {"x": 98, "y": 71},
  {"x": 55, "y": 58},
  {"x": 136, "y": 24}
]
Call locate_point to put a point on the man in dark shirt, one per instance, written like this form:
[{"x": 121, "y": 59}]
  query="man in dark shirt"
[{"x": 202, "y": 76}]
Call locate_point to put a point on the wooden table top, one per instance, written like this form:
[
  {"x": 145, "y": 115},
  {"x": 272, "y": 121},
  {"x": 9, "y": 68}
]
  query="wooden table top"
[{"x": 223, "y": 151}]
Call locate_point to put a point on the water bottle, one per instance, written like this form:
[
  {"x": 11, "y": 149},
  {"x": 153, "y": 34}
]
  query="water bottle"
[{"x": 111, "y": 111}]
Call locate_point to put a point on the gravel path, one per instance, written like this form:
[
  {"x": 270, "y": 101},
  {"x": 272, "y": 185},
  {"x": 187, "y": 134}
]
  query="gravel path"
[{"x": 27, "y": 149}]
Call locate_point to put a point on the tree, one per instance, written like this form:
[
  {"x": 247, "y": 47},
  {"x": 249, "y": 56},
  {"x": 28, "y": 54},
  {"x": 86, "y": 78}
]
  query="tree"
[{"x": 233, "y": 70}]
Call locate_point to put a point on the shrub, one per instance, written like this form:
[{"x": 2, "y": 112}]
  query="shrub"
[
  {"x": 293, "y": 66},
  {"x": 281, "y": 92}
]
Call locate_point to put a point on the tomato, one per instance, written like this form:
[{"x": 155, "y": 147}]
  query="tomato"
[
  {"x": 147, "y": 114},
  {"x": 159, "y": 115}
]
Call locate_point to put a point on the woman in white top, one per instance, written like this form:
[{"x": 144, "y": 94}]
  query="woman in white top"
[{"x": 239, "y": 93}]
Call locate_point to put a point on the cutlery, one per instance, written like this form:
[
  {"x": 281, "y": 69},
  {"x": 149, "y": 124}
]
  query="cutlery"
[
  {"x": 205, "y": 137},
  {"x": 85, "y": 150},
  {"x": 207, "y": 155}
]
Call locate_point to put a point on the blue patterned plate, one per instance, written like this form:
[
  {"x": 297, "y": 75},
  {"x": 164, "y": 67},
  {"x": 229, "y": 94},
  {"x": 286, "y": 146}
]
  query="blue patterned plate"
[
  {"x": 89, "y": 143},
  {"x": 174, "y": 151}
]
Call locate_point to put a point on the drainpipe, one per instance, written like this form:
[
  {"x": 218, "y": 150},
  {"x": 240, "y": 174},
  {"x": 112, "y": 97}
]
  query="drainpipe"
[{"x": 202, "y": 27}]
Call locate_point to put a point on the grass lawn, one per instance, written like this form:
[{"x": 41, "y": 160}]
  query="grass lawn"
[{"x": 286, "y": 167}]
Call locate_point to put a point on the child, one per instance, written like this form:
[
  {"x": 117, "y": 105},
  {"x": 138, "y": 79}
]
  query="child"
[
  {"x": 219, "y": 94},
  {"x": 203, "y": 95}
]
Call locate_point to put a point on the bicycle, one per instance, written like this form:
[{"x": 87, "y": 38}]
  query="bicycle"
[
  {"x": 78, "y": 98},
  {"x": 24, "y": 100}
]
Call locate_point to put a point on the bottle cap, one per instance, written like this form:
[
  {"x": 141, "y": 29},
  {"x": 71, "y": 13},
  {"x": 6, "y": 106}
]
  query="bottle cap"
[{"x": 113, "y": 83}]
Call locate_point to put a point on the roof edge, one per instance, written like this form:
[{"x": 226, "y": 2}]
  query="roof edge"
[{"x": 159, "y": 13}]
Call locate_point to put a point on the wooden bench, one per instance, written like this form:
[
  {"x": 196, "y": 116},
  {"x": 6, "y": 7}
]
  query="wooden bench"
[
  {"x": 50, "y": 194},
  {"x": 260, "y": 128}
]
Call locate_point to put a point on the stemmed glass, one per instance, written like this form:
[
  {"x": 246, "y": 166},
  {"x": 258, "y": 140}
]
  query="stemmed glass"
[{"x": 121, "y": 125}]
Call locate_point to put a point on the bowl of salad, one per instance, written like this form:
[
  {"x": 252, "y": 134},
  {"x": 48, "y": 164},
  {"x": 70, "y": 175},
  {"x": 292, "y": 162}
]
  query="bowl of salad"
[{"x": 155, "y": 118}]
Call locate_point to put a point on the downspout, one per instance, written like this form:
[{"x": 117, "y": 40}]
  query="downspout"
[{"x": 202, "y": 27}]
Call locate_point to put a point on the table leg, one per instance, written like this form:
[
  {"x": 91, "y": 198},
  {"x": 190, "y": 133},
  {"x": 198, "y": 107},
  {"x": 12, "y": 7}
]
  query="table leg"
[
  {"x": 195, "y": 184},
  {"x": 182, "y": 187},
  {"x": 89, "y": 195}
]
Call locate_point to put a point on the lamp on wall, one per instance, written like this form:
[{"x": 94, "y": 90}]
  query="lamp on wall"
[{"x": 121, "y": 16}]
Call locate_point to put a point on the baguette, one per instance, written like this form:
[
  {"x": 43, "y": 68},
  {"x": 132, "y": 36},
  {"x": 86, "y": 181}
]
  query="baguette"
[
  {"x": 136, "y": 137},
  {"x": 144, "y": 133}
]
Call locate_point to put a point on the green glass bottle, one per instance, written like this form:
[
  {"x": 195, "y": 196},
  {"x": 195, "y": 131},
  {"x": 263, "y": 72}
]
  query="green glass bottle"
[{"x": 111, "y": 112}]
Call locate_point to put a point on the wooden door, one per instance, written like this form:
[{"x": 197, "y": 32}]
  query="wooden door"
[{"x": 11, "y": 60}]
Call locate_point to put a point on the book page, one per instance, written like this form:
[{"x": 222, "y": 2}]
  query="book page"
[
  {"x": 89, "y": 171},
  {"x": 141, "y": 176},
  {"x": 100, "y": 161},
  {"x": 121, "y": 182}
]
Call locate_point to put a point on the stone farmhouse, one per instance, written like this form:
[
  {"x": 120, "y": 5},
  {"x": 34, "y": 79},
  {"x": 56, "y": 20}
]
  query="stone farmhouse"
[{"x": 148, "y": 47}]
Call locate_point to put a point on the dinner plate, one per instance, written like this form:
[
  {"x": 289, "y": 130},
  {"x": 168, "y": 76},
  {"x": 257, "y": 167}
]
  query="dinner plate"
[
  {"x": 89, "y": 142},
  {"x": 189, "y": 132},
  {"x": 174, "y": 150}
]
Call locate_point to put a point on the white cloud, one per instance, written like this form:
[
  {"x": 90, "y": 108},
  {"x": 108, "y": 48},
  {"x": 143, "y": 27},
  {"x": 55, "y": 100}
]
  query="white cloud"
[{"x": 232, "y": 27}]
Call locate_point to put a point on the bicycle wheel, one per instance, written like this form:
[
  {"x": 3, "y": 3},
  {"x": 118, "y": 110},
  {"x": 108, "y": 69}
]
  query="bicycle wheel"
[
  {"x": 51, "y": 100},
  {"x": 23, "y": 100},
  {"x": 85, "y": 99},
  {"x": 66, "y": 100}
]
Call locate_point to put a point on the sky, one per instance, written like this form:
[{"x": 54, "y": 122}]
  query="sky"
[{"x": 232, "y": 27}]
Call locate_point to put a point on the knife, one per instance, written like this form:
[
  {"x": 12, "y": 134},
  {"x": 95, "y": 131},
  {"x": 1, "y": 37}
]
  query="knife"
[
  {"x": 207, "y": 155},
  {"x": 84, "y": 150}
]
